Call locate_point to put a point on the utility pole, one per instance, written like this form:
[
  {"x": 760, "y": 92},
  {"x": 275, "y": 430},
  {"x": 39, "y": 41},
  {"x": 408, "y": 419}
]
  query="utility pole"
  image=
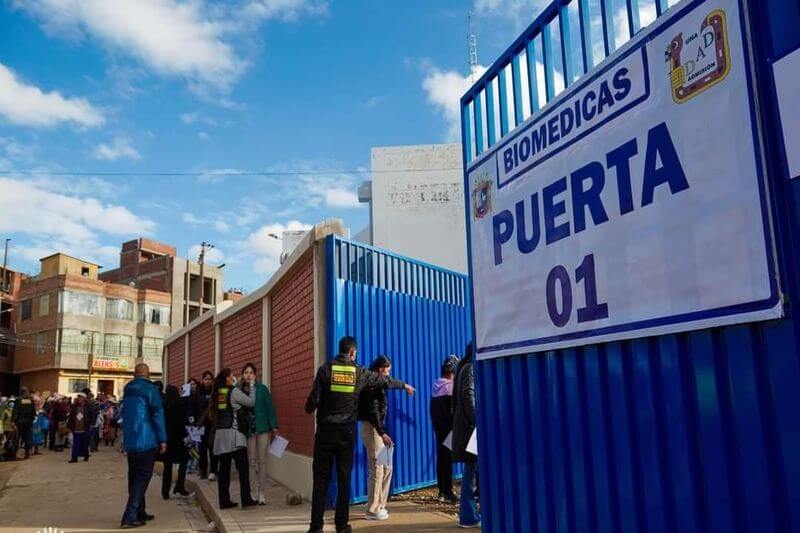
[
  {"x": 472, "y": 44},
  {"x": 3, "y": 283},
  {"x": 202, "y": 260}
]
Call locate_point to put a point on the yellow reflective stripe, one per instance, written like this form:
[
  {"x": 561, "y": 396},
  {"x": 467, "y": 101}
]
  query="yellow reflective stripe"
[
  {"x": 344, "y": 368},
  {"x": 343, "y": 388}
]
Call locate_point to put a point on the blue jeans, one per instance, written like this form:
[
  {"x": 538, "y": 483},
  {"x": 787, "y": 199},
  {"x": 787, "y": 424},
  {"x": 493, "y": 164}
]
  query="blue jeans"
[
  {"x": 80, "y": 444},
  {"x": 468, "y": 513},
  {"x": 140, "y": 470}
]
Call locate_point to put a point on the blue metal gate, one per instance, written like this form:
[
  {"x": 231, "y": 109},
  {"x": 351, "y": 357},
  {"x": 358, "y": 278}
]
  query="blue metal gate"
[
  {"x": 688, "y": 432},
  {"x": 417, "y": 314}
]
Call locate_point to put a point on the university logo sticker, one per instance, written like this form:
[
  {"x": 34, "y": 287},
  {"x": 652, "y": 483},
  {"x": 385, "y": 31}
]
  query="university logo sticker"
[
  {"x": 699, "y": 60},
  {"x": 482, "y": 196}
]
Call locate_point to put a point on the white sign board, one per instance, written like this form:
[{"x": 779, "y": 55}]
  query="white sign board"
[
  {"x": 787, "y": 85},
  {"x": 631, "y": 205}
]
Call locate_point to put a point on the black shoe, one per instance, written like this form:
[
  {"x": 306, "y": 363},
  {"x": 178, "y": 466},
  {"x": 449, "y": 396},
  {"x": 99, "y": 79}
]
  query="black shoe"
[
  {"x": 72, "y": 461},
  {"x": 182, "y": 492},
  {"x": 85, "y": 459},
  {"x": 146, "y": 517},
  {"x": 314, "y": 531},
  {"x": 228, "y": 505},
  {"x": 345, "y": 529},
  {"x": 249, "y": 503},
  {"x": 165, "y": 496},
  {"x": 131, "y": 525}
]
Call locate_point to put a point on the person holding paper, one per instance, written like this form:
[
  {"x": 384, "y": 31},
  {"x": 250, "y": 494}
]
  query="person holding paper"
[
  {"x": 463, "y": 428},
  {"x": 334, "y": 397},
  {"x": 442, "y": 419},
  {"x": 265, "y": 428},
  {"x": 372, "y": 408}
]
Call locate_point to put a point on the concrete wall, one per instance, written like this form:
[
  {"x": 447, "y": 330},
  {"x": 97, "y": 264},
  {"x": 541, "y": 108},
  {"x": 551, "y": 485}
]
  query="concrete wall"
[{"x": 420, "y": 214}]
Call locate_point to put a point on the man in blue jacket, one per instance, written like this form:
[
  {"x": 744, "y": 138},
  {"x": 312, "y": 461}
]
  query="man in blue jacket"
[{"x": 145, "y": 436}]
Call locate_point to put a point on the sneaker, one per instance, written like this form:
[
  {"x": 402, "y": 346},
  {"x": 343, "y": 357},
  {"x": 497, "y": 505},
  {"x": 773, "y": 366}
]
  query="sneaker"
[
  {"x": 474, "y": 525},
  {"x": 262, "y": 500},
  {"x": 383, "y": 512},
  {"x": 379, "y": 516},
  {"x": 212, "y": 477}
]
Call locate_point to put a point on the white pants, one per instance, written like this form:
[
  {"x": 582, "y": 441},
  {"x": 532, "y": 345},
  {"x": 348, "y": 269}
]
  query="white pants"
[
  {"x": 257, "y": 447},
  {"x": 380, "y": 476}
]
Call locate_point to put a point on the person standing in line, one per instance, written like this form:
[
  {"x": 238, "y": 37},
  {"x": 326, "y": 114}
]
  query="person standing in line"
[
  {"x": 41, "y": 426},
  {"x": 208, "y": 462},
  {"x": 463, "y": 426},
  {"x": 110, "y": 416},
  {"x": 230, "y": 436},
  {"x": 177, "y": 453},
  {"x": 372, "y": 408},
  {"x": 264, "y": 422},
  {"x": 334, "y": 397},
  {"x": 22, "y": 416},
  {"x": 81, "y": 418},
  {"x": 442, "y": 419},
  {"x": 145, "y": 435}
]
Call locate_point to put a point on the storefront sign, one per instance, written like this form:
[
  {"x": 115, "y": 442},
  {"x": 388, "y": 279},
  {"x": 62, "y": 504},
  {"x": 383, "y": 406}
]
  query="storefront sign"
[
  {"x": 109, "y": 362},
  {"x": 633, "y": 204}
]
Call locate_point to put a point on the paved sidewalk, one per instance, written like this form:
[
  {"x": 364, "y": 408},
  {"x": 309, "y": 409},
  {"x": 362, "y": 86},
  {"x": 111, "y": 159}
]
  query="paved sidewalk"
[
  {"x": 46, "y": 491},
  {"x": 277, "y": 516}
]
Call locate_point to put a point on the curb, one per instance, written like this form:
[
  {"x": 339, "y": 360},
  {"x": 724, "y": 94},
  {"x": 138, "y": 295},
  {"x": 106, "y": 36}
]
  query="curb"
[{"x": 208, "y": 508}]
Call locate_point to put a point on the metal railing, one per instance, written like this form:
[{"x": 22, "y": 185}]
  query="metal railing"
[{"x": 567, "y": 40}]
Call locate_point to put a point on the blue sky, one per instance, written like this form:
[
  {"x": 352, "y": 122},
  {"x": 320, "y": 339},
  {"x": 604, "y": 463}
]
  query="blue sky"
[{"x": 209, "y": 88}]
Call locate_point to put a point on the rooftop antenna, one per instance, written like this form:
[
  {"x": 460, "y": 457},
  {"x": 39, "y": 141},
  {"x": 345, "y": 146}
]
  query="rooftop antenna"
[{"x": 472, "y": 43}]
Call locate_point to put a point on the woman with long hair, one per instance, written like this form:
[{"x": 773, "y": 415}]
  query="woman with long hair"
[
  {"x": 177, "y": 453},
  {"x": 230, "y": 436},
  {"x": 264, "y": 424}
]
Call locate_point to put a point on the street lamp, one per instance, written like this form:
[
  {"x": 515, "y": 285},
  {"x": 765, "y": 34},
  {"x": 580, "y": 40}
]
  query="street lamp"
[{"x": 91, "y": 354}]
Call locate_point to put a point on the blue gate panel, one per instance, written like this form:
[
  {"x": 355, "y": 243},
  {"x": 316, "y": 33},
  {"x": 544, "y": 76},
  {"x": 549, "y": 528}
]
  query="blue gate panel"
[{"x": 415, "y": 313}]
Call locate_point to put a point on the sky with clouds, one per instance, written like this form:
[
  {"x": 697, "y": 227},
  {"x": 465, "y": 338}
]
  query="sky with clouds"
[{"x": 210, "y": 90}]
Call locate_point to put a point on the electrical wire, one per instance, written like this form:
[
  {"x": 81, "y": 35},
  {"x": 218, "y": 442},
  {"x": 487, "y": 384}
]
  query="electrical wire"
[{"x": 215, "y": 174}]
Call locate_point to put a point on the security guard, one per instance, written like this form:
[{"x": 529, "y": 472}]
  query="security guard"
[
  {"x": 335, "y": 398},
  {"x": 22, "y": 418}
]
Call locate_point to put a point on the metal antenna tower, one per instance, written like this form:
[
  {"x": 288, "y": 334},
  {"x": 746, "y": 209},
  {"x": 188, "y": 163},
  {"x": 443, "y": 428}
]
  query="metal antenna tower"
[{"x": 472, "y": 43}]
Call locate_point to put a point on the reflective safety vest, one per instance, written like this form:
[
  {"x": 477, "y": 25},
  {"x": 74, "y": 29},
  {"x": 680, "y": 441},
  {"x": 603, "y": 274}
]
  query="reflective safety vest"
[
  {"x": 224, "y": 408},
  {"x": 343, "y": 378}
]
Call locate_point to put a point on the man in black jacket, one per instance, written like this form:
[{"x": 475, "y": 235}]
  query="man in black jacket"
[
  {"x": 22, "y": 418},
  {"x": 442, "y": 420},
  {"x": 463, "y": 427},
  {"x": 334, "y": 396}
]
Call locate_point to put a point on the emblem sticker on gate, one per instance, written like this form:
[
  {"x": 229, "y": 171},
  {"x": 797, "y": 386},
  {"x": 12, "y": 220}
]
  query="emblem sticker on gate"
[{"x": 699, "y": 59}]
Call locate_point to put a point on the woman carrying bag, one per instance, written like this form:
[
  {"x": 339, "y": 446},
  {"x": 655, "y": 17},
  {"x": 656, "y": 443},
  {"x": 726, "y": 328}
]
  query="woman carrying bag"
[
  {"x": 265, "y": 424},
  {"x": 230, "y": 436},
  {"x": 177, "y": 453}
]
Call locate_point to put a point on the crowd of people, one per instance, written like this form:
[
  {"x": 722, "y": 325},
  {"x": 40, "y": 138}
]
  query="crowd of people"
[{"x": 230, "y": 419}]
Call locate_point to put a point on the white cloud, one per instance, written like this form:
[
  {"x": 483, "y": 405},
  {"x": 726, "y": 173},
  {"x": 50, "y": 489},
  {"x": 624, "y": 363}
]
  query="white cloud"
[
  {"x": 120, "y": 148},
  {"x": 221, "y": 226},
  {"x": 214, "y": 256},
  {"x": 197, "y": 117},
  {"x": 264, "y": 250},
  {"x": 444, "y": 89},
  {"x": 527, "y": 10},
  {"x": 203, "y": 136},
  {"x": 23, "y": 104},
  {"x": 58, "y": 222},
  {"x": 193, "y": 40},
  {"x": 341, "y": 198},
  {"x": 216, "y": 221}
]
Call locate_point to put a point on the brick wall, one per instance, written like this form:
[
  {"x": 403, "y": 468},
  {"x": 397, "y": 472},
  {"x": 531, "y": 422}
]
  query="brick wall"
[
  {"x": 175, "y": 355},
  {"x": 292, "y": 351},
  {"x": 201, "y": 349},
  {"x": 241, "y": 338}
]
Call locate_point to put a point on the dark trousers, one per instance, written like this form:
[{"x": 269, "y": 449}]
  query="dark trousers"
[
  {"x": 224, "y": 476},
  {"x": 25, "y": 431},
  {"x": 166, "y": 480},
  {"x": 444, "y": 465},
  {"x": 80, "y": 444},
  {"x": 332, "y": 442},
  {"x": 51, "y": 437},
  {"x": 206, "y": 453},
  {"x": 140, "y": 470},
  {"x": 94, "y": 439}
]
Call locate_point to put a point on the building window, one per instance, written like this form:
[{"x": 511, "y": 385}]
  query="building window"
[
  {"x": 41, "y": 343},
  {"x": 77, "y": 385},
  {"x": 85, "y": 272},
  {"x": 79, "y": 303},
  {"x": 27, "y": 309},
  {"x": 119, "y": 309},
  {"x": 119, "y": 345},
  {"x": 150, "y": 347},
  {"x": 44, "y": 305},
  {"x": 154, "y": 314},
  {"x": 80, "y": 342}
]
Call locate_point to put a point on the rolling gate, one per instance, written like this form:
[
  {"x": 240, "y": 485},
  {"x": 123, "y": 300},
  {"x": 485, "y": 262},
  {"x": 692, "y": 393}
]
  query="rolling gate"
[
  {"x": 689, "y": 432},
  {"x": 417, "y": 314}
]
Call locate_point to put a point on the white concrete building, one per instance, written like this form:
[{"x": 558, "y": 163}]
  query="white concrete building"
[{"x": 416, "y": 199}]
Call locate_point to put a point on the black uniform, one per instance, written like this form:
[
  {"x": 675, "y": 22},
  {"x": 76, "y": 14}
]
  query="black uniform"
[
  {"x": 22, "y": 416},
  {"x": 335, "y": 398}
]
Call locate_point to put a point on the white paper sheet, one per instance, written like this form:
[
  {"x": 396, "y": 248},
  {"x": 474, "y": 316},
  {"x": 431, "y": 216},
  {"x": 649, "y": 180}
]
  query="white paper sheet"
[
  {"x": 472, "y": 445},
  {"x": 195, "y": 434},
  {"x": 186, "y": 390},
  {"x": 278, "y": 446},
  {"x": 386, "y": 456},
  {"x": 448, "y": 441}
]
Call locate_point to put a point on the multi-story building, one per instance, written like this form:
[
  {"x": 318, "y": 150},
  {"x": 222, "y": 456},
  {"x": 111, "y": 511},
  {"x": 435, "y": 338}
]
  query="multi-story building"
[
  {"x": 416, "y": 200},
  {"x": 10, "y": 282},
  {"x": 74, "y": 330},
  {"x": 152, "y": 265}
]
